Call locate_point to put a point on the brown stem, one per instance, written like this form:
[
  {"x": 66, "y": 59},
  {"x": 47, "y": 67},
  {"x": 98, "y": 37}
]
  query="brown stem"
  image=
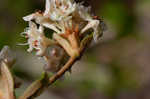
[
  {"x": 73, "y": 41},
  {"x": 39, "y": 86},
  {"x": 72, "y": 60},
  {"x": 66, "y": 67},
  {"x": 62, "y": 70}
]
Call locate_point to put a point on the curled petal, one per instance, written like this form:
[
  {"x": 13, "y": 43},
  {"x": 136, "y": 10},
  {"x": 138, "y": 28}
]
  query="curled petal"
[
  {"x": 51, "y": 26},
  {"x": 95, "y": 25},
  {"x": 29, "y": 17}
]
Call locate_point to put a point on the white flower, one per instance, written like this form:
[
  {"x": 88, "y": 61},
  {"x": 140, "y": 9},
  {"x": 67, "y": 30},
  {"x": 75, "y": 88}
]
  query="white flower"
[
  {"x": 36, "y": 39},
  {"x": 84, "y": 12},
  {"x": 95, "y": 25},
  {"x": 92, "y": 23},
  {"x": 42, "y": 20},
  {"x": 55, "y": 11},
  {"x": 59, "y": 9},
  {"x": 59, "y": 14},
  {"x": 64, "y": 17}
]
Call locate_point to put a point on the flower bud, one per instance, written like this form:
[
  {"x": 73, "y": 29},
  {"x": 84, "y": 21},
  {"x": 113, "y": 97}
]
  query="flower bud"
[{"x": 55, "y": 57}]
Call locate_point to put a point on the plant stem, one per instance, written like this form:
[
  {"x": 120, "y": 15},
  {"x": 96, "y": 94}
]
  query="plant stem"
[
  {"x": 42, "y": 86},
  {"x": 66, "y": 67}
]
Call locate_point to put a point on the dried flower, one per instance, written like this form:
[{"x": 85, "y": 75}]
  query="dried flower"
[
  {"x": 70, "y": 22},
  {"x": 61, "y": 14},
  {"x": 37, "y": 39},
  {"x": 55, "y": 57}
]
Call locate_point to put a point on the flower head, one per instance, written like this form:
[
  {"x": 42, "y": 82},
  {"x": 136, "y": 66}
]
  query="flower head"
[
  {"x": 36, "y": 38},
  {"x": 59, "y": 14},
  {"x": 70, "y": 22}
]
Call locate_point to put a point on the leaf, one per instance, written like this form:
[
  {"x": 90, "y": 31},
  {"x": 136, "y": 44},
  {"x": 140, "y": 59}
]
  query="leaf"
[
  {"x": 31, "y": 90},
  {"x": 6, "y": 82},
  {"x": 35, "y": 88},
  {"x": 7, "y": 56}
]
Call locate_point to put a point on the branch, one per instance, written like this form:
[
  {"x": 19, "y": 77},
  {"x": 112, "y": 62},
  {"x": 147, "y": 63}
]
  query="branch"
[
  {"x": 65, "y": 68},
  {"x": 72, "y": 60},
  {"x": 39, "y": 86}
]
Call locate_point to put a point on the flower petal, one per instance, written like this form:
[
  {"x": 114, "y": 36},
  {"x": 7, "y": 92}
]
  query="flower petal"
[
  {"x": 29, "y": 17},
  {"x": 47, "y": 8},
  {"x": 95, "y": 25}
]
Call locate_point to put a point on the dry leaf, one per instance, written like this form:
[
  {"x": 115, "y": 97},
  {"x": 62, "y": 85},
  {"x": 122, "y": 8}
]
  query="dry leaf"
[
  {"x": 35, "y": 88},
  {"x": 6, "y": 82}
]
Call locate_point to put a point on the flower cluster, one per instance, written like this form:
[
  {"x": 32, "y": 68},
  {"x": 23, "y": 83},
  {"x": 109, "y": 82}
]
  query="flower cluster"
[
  {"x": 70, "y": 22},
  {"x": 36, "y": 38}
]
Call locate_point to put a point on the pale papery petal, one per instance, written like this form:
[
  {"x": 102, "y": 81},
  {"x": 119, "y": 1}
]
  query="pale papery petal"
[
  {"x": 41, "y": 29},
  {"x": 30, "y": 48},
  {"x": 29, "y": 17},
  {"x": 95, "y": 25},
  {"x": 47, "y": 7},
  {"x": 51, "y": 26},
  {"x": 32, "y": 25}
]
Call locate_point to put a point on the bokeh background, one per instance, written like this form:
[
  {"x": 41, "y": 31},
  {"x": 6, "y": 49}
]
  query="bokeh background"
[{"x": 118, "y": 67}]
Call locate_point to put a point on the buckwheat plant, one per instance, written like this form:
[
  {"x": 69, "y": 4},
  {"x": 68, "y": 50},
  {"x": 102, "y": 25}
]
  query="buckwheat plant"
[{"x": 74, "y": 28}]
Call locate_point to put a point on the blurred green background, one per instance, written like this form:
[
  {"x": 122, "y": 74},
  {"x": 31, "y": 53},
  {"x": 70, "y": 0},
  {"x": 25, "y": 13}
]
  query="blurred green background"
[{"x": 118, "y": 67}]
